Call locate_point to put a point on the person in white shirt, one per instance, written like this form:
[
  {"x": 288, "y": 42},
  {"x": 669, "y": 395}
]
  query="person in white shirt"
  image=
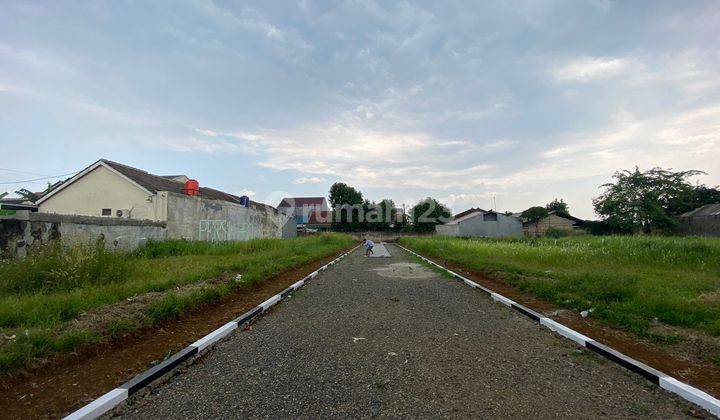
[{"x": 368, "y": 246}]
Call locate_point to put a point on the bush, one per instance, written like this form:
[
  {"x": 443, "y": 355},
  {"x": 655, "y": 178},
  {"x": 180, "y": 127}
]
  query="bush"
[
  {"x": 557, "y": 233},
  {"x": 54, "y": 268}
]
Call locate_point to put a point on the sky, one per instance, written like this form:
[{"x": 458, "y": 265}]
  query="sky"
[{"x": 520, "y": 101}]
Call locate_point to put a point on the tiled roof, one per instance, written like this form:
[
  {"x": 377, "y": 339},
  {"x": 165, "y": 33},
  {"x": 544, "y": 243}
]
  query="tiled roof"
[
  {"x": 300, "y": 201},
  {"x": 707, "y": 210},
  {"x": 155, "y": 183},
  {"x": 466, "y": 212}
]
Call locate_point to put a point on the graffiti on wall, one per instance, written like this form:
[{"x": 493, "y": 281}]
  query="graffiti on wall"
[{"x": 222, "y": 230}]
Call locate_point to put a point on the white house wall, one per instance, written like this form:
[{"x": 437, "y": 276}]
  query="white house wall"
[{"x": 100, "y": 189}]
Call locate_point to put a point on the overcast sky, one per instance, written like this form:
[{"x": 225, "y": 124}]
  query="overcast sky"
[{"x": 525, "y": 100}]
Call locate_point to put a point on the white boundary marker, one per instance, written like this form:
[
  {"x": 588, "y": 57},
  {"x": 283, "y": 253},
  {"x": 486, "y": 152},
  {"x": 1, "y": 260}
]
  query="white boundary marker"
[
  {"x": 111, "y": 399},
  {"x": 667, "y": 382}
]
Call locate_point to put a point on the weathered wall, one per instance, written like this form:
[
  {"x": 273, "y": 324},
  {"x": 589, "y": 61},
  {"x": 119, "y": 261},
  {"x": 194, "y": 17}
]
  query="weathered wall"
[
  {"x": 385, "y": 236},
  {"x": 104, "y": 189},
  {"x": 22, "y": 231},
  {"x": 700, "y": 226},
  {"x": 504, "y": 226},
  {"x": 448, "y": 230},
  {"x": 551, "y": 222},
  {"x": 210, "y": 220}
]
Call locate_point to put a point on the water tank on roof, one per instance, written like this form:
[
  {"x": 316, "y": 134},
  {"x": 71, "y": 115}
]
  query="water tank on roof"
[{"x": 191, "y": 187}]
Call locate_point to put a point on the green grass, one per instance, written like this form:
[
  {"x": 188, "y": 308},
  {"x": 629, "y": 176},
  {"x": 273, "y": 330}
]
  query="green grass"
[
  {"x": 628, "y": 280},
  {"x": 41, "y": 294}
]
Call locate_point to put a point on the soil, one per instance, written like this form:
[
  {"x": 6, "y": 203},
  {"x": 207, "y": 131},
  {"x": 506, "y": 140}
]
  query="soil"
[
  {"x": 689, "y": 360},
  {"x": 67, "y": 382}
]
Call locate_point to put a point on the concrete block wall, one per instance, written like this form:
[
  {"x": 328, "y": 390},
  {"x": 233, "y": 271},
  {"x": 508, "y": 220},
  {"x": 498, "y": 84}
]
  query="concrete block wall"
[
  {"x": 22, "y": 231},
  {"x": 195, "y": 218},
  {"x": 188, "y": 217}
]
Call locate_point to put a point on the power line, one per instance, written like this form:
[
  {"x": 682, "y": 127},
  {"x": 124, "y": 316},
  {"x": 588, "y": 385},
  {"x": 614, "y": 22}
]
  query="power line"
[
  {"x": 37, "y": 179},
  {"x": 22, "y": 172}
]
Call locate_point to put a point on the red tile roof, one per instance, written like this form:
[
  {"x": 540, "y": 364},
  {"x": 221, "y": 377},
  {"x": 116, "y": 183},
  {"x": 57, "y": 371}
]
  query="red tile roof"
[{"x": 300, "y": 201}]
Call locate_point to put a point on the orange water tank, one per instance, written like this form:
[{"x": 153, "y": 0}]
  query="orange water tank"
[{"x": 191, "y": 187}]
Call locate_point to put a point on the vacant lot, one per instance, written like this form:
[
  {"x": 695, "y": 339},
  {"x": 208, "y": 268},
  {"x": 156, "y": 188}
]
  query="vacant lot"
[
  {"x": 635, "y": 283},
  {"x": 60, "y": 299}
]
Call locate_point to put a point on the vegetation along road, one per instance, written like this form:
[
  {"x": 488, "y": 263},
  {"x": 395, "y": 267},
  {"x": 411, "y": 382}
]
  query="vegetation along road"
[
  {"x": 660, "y": 293},
  {"x": 389, "y": 337},
  {"x": 59, "y": 300}
]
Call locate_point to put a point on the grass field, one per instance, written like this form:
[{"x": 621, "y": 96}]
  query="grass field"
[
  {"x": 628, "y": 281},
  {"x": 42, "y": 295}
]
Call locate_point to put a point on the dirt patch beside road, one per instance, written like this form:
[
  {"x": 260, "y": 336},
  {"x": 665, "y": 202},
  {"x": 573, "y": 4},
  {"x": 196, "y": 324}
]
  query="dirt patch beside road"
[{"x": 69, "y": 382}]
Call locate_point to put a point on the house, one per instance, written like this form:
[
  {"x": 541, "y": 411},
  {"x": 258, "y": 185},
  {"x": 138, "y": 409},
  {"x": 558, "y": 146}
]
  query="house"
[
  {"x": 320, "y": 221},
  {"x": 466, "y": 212},
  {"x": 481, "y": 223},
  {"x": 300, "y": 208},
  {"x": 108, "y": 189},
  {"x": 554, "y": 220},
  {"x": 12, "y": 204},
  {"x": 703, "y": 221}
]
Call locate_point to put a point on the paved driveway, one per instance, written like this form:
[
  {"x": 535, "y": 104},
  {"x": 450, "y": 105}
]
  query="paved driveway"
[{"x": 385, "y": 337}]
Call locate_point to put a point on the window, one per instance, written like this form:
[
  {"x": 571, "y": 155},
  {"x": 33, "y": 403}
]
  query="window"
[
  {"x": 107, "y": 212},
  {"x": 490, "y": 217}
]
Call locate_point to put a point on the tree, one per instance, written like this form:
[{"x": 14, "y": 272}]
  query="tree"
[
  {"x": 533, "y": 215},
  {"x": 558, "y": 206},
  {"x": 429, "y": 213},
  {"x": 388, "y": 212},
  {"x": 28, "y": 195},
  {"x": 651, "y": 200},
  {"x": 347, "y": 204}
]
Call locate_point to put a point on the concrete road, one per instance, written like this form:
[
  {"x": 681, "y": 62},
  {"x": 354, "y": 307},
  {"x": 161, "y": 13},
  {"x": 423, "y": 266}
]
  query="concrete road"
[
  {"x": 380, "y": 251},
  {"x": 385, "y": 337}
]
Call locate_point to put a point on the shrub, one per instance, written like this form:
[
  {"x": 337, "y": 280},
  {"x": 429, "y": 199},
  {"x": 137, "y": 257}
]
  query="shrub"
[
  {"x": 557, "y": 233},
  {"x": 53, "y": 268}
]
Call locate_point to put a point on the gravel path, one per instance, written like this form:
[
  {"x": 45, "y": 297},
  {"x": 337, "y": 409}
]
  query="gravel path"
[{"x": 385, "y": 337}]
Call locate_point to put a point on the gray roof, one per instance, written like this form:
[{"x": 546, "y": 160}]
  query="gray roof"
[
  {"x": 708, "y": 210},
  {"x": 155, "y": 183}
]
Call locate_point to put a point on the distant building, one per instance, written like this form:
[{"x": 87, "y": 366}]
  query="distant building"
[
  {"x": 554, "y": 220},
  {"x": 481, "y": 223},
  {"x": 703, "y": 221},
  {"x": 300, "y": 208},
  {"x": 320, "y": 221},
  {"x": 109, "y": 189}
]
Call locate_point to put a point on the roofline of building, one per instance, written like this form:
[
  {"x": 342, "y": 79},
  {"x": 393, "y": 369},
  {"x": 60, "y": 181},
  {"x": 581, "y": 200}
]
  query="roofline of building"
[{"x": 86, "y": 171}]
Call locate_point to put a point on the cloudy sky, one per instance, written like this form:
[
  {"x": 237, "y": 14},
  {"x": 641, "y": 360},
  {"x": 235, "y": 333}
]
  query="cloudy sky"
[{"x": 523, "y": 100}]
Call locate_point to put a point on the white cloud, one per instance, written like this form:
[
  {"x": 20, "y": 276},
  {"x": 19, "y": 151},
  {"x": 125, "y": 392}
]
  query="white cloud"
[
  {"x": 588, "y": 69},
  {"x": 190, "y": 144},
  {"x": 308, "y": 180},
  {"x": 249, "y": 193}
]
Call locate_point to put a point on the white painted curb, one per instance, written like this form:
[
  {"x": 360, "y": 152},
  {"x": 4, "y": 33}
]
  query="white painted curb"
[
  {"x": 110, "y": 400},
  {"x": 683, "y": 390}
]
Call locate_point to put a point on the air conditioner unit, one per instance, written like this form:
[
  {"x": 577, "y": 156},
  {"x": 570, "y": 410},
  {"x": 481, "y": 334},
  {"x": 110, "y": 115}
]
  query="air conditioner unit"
[{"x": 123, "y": 213}]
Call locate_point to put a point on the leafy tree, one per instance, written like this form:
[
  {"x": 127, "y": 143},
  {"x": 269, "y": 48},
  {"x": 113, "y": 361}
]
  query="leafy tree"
[
  {"x": 427, "y": 214},
  {"x": 388, "y": 213},
  {"x": 558, "y": 206},
  {"x": 651, "y": 200},
  {"x": 347, "y": 203},
  {"x": 534, "y": 215}
]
